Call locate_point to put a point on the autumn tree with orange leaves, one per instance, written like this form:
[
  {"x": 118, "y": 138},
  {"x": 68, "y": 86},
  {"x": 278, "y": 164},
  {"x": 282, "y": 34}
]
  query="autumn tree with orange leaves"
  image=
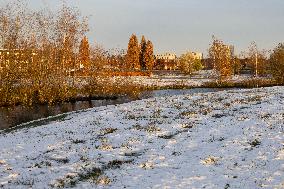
[
  {"x": 221, "y": 55},
  {"x": 84, "y": 54},
  {"x": 149, "y": 56},
  {"x": 142, "y": 56},
  {"x": 133, "y": 52},
  {"x": 41, "y": 48}
]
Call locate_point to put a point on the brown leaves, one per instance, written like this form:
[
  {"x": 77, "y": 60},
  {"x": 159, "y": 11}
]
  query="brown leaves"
[{"x": 221, "y": 54}]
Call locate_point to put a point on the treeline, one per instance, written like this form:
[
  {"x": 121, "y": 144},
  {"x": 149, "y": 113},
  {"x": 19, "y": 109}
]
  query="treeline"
[
  {"x": 188, "y": 63},
  {"x": 140, "y": 57},
  {"x": 46, "y": 57},
  {"x": 260, "y": 62},
  {"x": 39, "y": 50}
]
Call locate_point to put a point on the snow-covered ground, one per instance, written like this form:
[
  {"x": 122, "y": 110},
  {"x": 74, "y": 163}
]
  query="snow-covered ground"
[
  {"x": 167, "y": 79},
  {"x": 198, "y": 79},
  {"x": 174, "y": 79},
  {"x": 228, "y": 139}
]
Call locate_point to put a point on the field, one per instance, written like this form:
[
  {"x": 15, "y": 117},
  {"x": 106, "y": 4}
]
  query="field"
[{"x": 228, "y": 139}]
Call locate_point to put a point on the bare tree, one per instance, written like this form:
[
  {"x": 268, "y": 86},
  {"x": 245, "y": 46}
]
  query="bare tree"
[{"x": 257, "y": 60}]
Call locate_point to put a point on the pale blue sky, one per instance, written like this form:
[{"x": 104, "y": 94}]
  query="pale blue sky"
[{"x": 180, "y": 25}]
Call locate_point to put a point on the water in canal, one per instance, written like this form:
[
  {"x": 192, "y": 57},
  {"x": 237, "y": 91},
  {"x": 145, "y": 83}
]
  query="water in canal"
[{"x": 13, "y": 116}]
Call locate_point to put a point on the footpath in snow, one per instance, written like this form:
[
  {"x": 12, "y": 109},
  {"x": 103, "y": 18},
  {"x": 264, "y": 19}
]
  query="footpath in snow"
[{"x": 229, "y": 139}]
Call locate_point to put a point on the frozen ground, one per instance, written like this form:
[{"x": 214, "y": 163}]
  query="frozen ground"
[
  {"x": 229, "y": 139},
  {"x": 174, "y": 79},
  {"x": 198, "y": 79},
  {"x": 168, "y": 79}
]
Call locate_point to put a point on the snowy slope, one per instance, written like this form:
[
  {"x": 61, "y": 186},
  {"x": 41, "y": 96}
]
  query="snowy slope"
[{"x": 229, "y": 139}]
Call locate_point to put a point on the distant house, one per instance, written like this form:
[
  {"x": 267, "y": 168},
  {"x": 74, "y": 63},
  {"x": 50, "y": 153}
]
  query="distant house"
[
  {"x": 167, "y": 61},
  {"x": 18, "y": 55},
  {"x": 197, "y": 55},
  {"x": 166, "y": 57}
]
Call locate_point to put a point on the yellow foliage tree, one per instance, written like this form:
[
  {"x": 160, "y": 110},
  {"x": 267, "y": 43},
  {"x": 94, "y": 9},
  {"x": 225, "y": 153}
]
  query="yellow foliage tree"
[
  {"x": 84, "y": 54},
  {"x": 189, "y": 64},
  {"x": 142, "y": 57},
  {"x": 149, "y": 56},
  {"x": 222, "y": 58},
  {"x": 277, "y": 63},
  {"x": 133, "y": 52}
]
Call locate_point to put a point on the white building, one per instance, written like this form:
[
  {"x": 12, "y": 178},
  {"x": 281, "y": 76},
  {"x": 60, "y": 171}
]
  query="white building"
[
  {"x": 166, "y": 56},
  {"x": 197, "y": 55}
]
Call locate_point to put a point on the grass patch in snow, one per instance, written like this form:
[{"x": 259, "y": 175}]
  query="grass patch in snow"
[{"x": 255, "y": 143}]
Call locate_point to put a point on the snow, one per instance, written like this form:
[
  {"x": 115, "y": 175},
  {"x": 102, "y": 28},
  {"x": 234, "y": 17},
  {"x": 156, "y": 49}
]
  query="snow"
[
  {"x": 226, "y": 139},
  {"x": 198, "y": 79},
  {"x": 174, "y": 79},
  {"x": 167, "y": 81}
]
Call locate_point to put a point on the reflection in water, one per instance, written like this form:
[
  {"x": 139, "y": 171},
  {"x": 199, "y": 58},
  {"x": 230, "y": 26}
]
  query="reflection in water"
[
  {"x": 10, "y": 117},
  {"x": 172, "y": 92}
]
